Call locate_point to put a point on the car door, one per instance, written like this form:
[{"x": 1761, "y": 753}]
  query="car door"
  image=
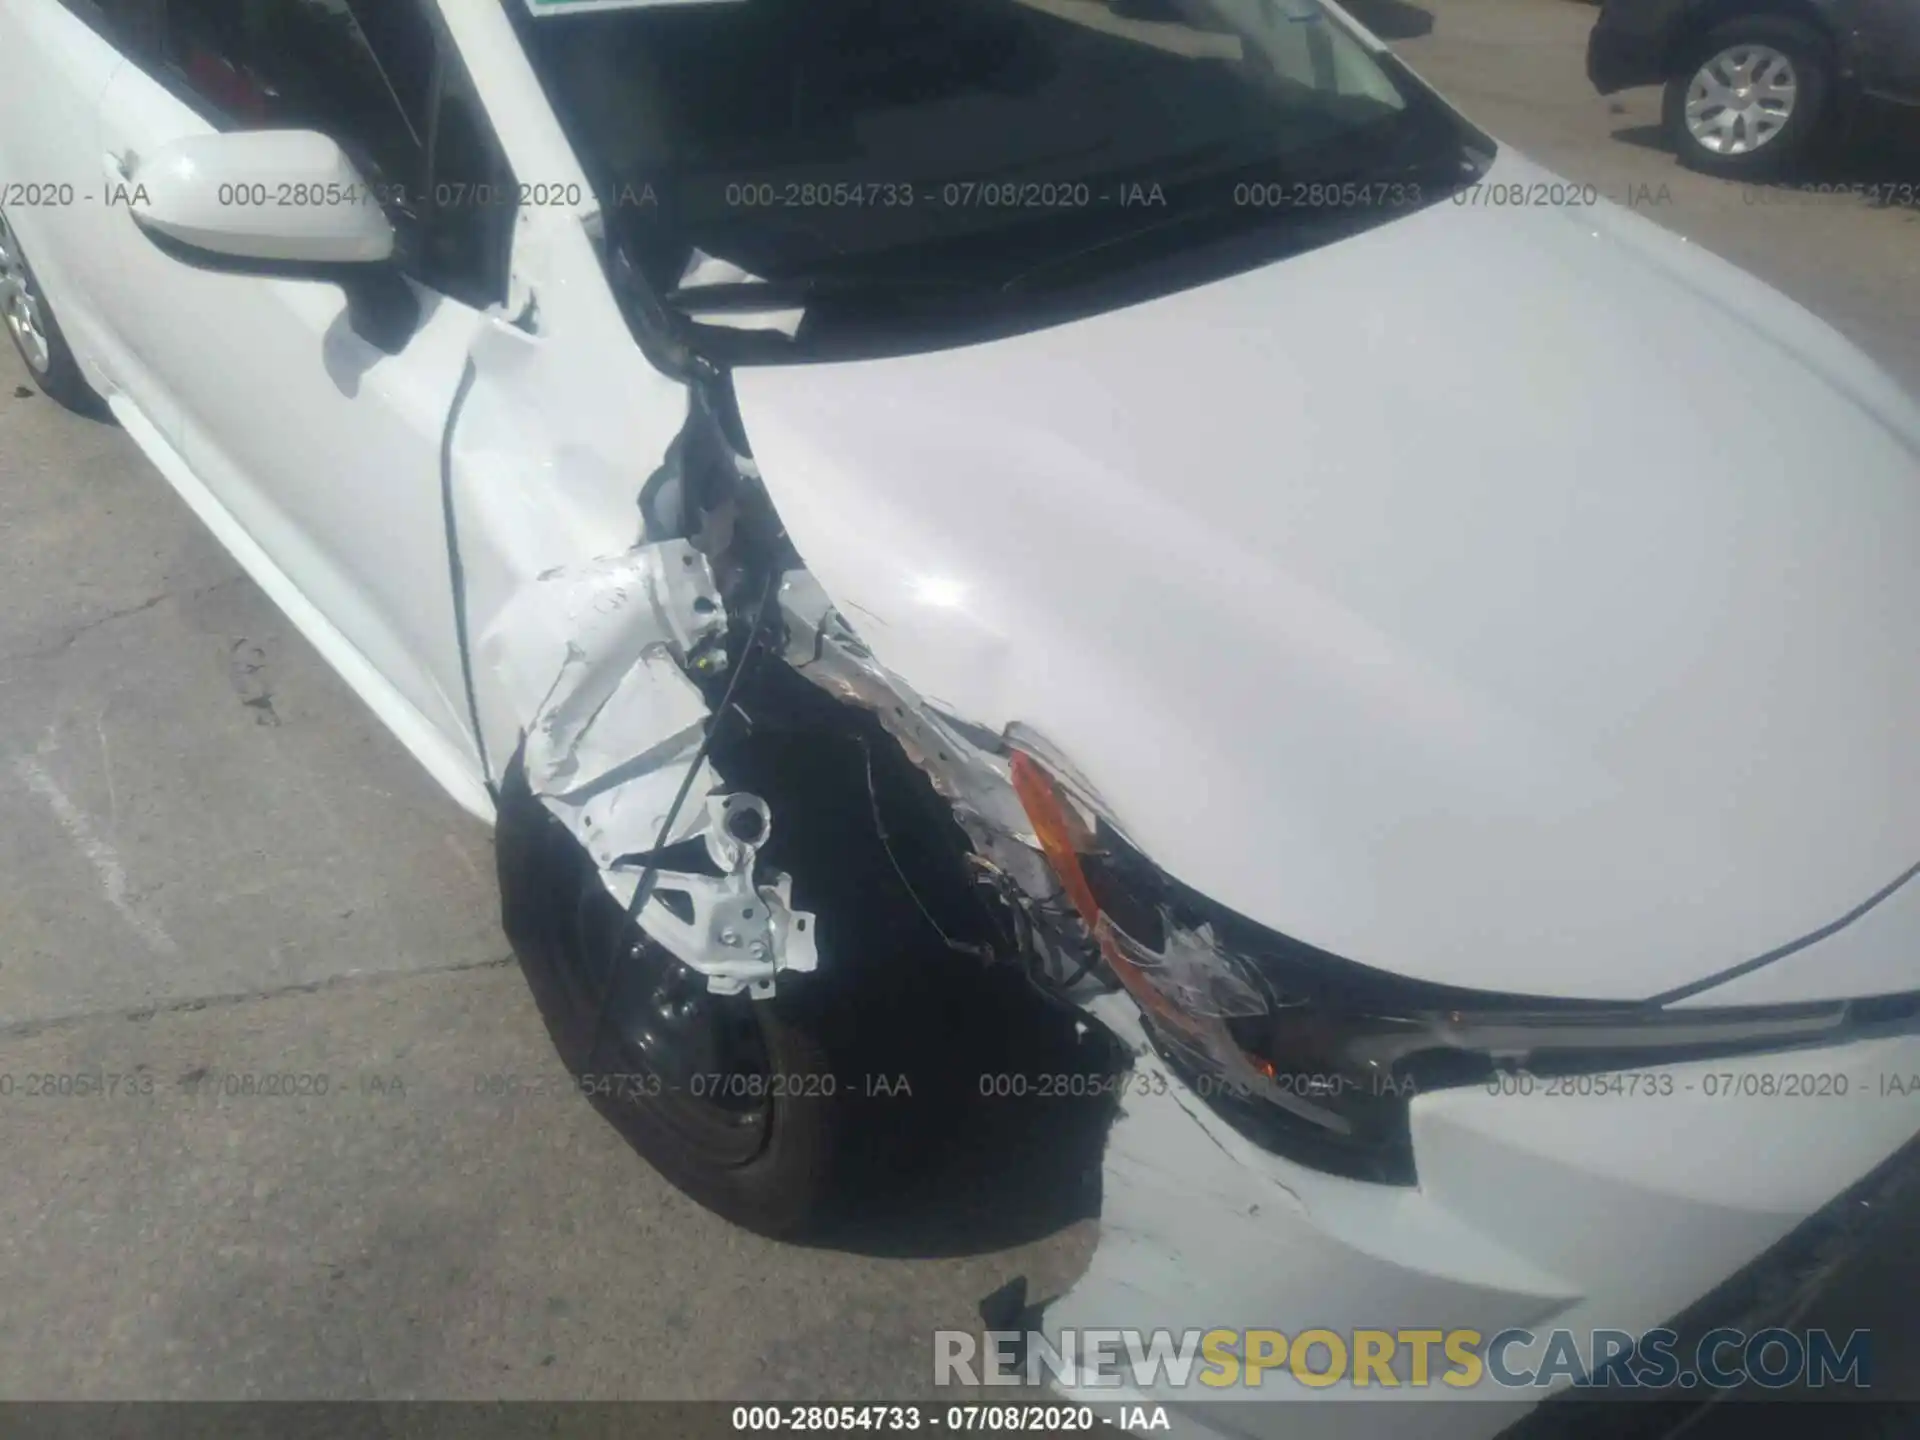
[
  {"x": 308, "y": 436},
  {"x": 59, "y": 57}
]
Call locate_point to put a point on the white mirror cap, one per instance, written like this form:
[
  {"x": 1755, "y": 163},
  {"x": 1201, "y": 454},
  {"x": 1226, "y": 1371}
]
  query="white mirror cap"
[{"x": 289, "y": 195}]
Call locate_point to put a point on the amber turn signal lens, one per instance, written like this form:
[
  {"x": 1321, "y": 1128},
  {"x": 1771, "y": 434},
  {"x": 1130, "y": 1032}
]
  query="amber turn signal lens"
[
  {"x": 1064, "y": 838},
  {"x": 1061, "y": 833}
]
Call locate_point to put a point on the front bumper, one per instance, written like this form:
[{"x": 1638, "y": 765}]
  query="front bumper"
[
  {"x": 1580, "y": 1212},
  {"x": 1632, "y": 43}
]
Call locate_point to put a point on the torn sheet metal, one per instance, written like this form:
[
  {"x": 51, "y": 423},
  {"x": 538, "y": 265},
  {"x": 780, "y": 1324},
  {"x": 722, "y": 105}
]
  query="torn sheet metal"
[
  {"x": 616, "y": 723},
  {"x": 823, "y": 648},
  {"x": 600, "y": 655},
  {"x": 976, "y": 781},
  {"x": 710, "y": 270}
]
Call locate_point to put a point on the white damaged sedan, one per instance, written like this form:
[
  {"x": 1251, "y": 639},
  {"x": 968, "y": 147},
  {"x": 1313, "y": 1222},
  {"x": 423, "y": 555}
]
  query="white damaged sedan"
[{"x": 1434, "y": 677}]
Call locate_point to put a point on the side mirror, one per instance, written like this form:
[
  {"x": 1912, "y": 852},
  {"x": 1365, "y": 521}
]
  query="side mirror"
[{"x": 287, "y": 196}]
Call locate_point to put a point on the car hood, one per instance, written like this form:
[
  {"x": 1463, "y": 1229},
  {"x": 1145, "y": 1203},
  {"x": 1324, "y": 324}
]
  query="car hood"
[{"x": 1517, "y": 598}]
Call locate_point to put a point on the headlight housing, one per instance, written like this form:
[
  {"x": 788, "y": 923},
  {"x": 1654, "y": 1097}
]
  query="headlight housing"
[{"x": 1319, "y": 1058}]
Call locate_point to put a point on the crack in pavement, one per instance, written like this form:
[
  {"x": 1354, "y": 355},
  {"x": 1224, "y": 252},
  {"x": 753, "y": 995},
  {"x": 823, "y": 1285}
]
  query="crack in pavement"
[
  {"x": 25, "y": 1029},
  {"x": 65, "y": 639}
]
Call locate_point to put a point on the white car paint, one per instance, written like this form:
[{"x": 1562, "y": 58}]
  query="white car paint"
[
  {"x": 1420, "y": 596},
  {"x": 176, "y": 192},
  {"x": 1514, "y": 598},
  {"x": 49, "y": 135},
  {"x": 337, "y": 481},
  {"x": 1870, "y": 951},
  {"x": 1563, "y": 1211}
]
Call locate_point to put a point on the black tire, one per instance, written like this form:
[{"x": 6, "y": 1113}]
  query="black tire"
[
  {"x": 780, "y": 1181},
  {"x": 56, "y": 373},
  {"x": 1810, "y": 58}
]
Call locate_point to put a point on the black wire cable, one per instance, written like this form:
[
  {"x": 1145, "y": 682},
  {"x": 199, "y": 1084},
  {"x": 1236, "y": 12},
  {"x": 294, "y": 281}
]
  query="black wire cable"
[
  {"x": 643, "y": 891},
  {"x": 458, "y": 574},
  {"x": 961, "y": 947}
]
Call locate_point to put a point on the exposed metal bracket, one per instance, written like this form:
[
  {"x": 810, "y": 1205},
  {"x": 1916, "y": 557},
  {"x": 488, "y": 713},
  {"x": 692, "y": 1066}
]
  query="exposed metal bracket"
[
  {"x": 735, "y": 932},
  {"x": 616, "y": 729}
]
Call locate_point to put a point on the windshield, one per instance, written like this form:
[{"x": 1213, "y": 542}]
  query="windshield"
[{"x": 832, "y": 175}]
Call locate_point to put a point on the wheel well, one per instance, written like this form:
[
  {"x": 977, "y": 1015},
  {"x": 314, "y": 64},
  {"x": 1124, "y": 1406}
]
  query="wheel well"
[
  {"x": 1703, "y": 18},
  {"x": 873, "y": 851}
]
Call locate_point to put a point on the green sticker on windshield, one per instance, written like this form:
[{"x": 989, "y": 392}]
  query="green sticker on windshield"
[{"x": 574, "y": 7}]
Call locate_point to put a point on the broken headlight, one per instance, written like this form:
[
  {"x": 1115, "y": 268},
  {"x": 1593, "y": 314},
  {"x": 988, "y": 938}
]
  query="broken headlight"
[{"x": 1319, "y": 1058}]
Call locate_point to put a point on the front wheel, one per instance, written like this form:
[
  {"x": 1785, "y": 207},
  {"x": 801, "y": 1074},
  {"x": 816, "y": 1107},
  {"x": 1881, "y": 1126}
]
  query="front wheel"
[
  {"x": 1752, "y": 100},
  {"x": 34, "y": 331},
  {"x": 732, "y": 1099}
]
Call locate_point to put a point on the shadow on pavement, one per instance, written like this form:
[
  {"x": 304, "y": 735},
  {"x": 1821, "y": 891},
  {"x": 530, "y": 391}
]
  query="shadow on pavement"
[
  {"x": 1646, "y": 137},
  {"x": 1878, "y": 158}
]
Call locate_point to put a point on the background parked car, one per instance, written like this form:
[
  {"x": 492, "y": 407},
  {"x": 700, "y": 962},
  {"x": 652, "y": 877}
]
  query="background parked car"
[{"x": 1752, "y": 85}]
